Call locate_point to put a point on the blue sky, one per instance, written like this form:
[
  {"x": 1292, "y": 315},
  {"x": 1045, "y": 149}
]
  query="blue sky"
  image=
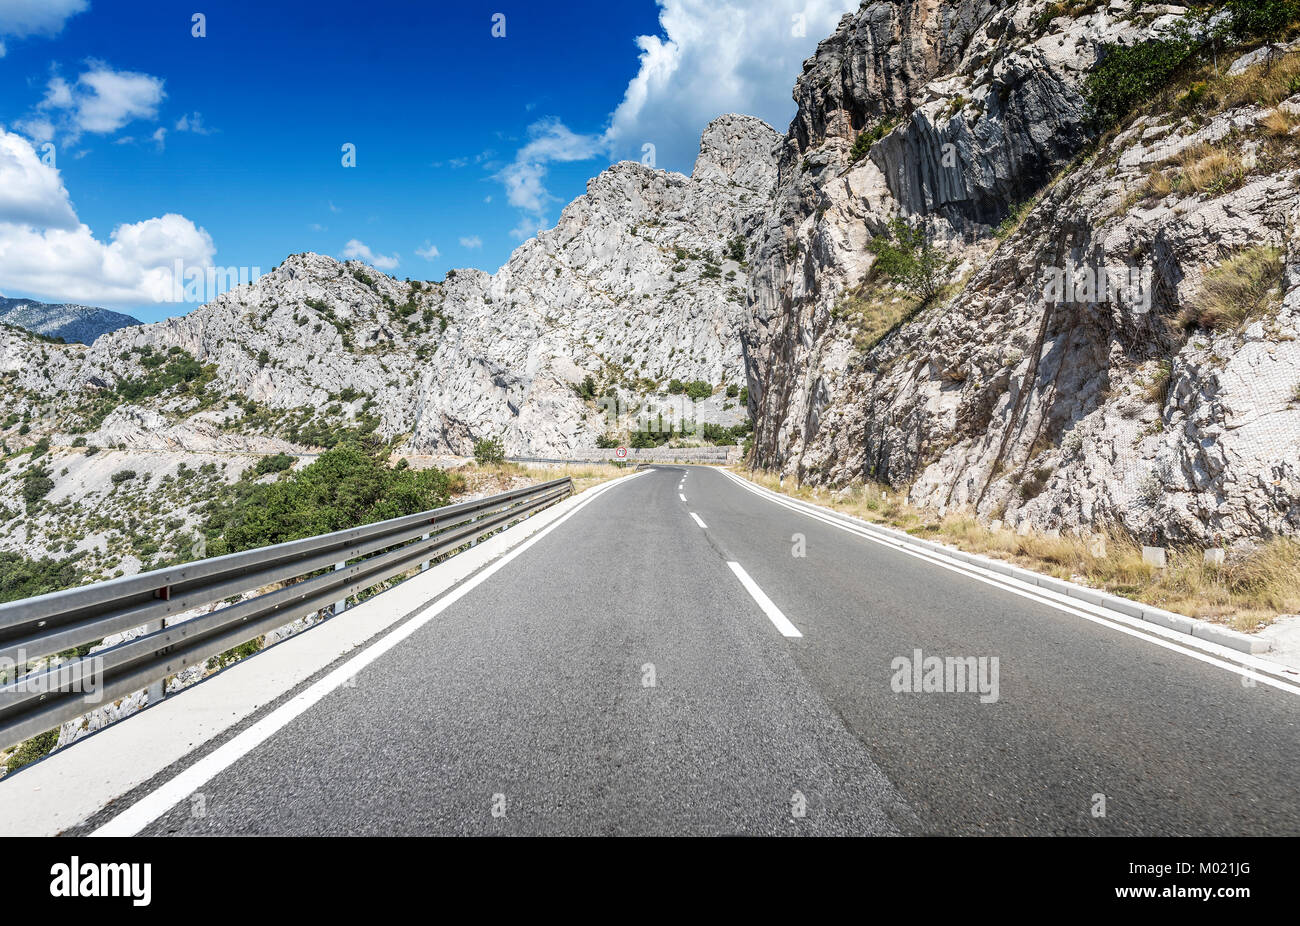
[{"x": 128, "y": 143}]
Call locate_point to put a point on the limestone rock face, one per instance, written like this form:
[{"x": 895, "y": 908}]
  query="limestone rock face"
[
  {"x": 639, "y": 283},
  {"x": 1007, "y": 397},
  {"x": 1066, "y": 378}
]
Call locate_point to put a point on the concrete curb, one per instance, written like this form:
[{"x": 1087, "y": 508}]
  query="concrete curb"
[{"x": 1202, "y": 630}]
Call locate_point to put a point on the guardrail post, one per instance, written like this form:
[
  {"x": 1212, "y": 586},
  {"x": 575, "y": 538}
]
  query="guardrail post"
[
  {"x": 158, "y": 690},
  {"x": 339, "y": 606},
  {"x": 424, "y": 566}
]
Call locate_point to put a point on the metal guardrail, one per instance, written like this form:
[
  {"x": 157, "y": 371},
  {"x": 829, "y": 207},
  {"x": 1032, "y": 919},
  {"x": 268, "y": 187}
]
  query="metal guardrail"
[{"x": 331, "y": 567}]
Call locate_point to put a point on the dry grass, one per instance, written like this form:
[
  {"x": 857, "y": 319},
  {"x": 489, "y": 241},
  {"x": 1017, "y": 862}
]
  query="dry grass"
[
  {"x": 872, "y": 311},
  {"x": 1218, "y": 168},
  {"x": 1279, "y": 123},
  {"x": 1156, "y": 388},
  {"x": 1206, "y": 93},
  {"x": 1246, "y": 285},
  {"x": 1247, "y": 593},
  {"x": 476, "y": 477}
]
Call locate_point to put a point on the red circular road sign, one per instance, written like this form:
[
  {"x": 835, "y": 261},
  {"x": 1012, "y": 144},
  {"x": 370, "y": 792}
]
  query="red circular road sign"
[{"x": 621, "y": 453}]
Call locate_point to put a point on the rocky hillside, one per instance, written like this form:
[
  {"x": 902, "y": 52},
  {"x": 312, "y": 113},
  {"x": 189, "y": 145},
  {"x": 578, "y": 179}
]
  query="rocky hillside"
[
  {"x": 1038, "y": 260},
  {"x": 1116, "y": 342},
  {"x": 79, "y": 323},
  {"x": 642, "y": 281}
]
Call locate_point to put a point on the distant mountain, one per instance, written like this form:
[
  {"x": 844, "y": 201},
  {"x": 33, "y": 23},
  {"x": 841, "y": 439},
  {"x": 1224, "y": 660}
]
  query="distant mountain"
[{"x": 80, "y": 323}]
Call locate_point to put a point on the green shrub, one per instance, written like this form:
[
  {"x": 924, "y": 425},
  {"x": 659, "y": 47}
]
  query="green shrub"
[
  {"x": 489, "y": 450},
  {"x": 907, "y": 257},
  {"x": 1130, "y": 74},
  {"x": 699, "y": 390},
  {"x": 276, "y": 463},
  {"x": 21, "y": 577},
  {"x": 586, "y": 390},
  {"x": 35, "y": 487},
  {"x": 1262, "y": 19},
  {"x": 121, "y": 476},
  {"x": 343, "y": 488},
  {"x": 30, "y": 750}
]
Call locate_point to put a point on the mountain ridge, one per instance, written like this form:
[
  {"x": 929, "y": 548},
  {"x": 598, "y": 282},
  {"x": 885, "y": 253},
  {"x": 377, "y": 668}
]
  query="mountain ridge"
[{"x": 69, "y": 321}]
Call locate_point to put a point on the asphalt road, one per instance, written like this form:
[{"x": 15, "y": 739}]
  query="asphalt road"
[{"x": 619, "y": 677}]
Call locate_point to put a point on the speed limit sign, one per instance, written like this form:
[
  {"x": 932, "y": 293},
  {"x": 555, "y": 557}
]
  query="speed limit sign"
[{"x": 621, "y": 453}]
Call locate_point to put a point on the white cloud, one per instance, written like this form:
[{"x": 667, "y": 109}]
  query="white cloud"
[
  {"x": 3, "y": 50},
  {"x": 160, "y": 137},
  {"x": 100, "y": 102},
  {"x": 524, "y": 178},
  {"x": 31, "y": 192},
  {"x": 355, "y": 250},
  {"x": 471, "y": 242},
  {"x": 428, "y": 252},
  {"x": 719, "y": 56},
  {"x": 192, "y": 122},
  {"x": 45, "y": 252},
  {"x": 21, "y": 18},
  {"x": 714, "y": 57}
]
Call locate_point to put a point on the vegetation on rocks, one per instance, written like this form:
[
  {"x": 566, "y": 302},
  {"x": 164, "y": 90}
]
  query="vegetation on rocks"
[
  {"x": 343, "y": 488},
  {"x": 1246, "y": 285}
]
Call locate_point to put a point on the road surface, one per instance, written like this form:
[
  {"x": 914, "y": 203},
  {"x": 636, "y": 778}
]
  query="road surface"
[{"x": 663, "y": 662}]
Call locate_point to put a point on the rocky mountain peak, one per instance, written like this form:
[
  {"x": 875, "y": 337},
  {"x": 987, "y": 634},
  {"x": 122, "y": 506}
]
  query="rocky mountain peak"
[{"x": 738, "y": 149}]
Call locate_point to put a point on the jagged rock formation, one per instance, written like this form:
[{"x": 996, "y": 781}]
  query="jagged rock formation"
[
  {"x": 1005, "y": 397},
  {"x": 636, "y": 285},
  {"x": 1066, "y": 408},
  {"x": 79, "y": 323}
]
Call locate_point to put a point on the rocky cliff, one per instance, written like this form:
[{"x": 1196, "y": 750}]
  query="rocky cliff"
[
  {"x": 639, "y": 283},
  {"x": 1139, "y": 399}
]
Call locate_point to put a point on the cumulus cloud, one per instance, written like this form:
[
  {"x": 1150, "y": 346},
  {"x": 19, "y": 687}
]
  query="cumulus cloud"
[
  {"x": 428, "y": 252},
  {"x": 100, "y": 102},
  {"x": 21, "y": 18},
  {"x": 471, "y": 242},
  {"x": 714, "y": 57},
  {"x": 31, "y": 192},
  {"x": 47, "y": 253},
  {"x": 355, "y": 250}
]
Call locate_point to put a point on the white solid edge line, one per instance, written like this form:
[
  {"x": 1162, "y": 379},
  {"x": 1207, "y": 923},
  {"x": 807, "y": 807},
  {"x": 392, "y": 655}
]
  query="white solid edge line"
[
  {"x": 1134, "y": 627},
  {"x": 769, "y": 607},
  {"x": 156, "y": 803},
  {"x": 699, "y": 521}
]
